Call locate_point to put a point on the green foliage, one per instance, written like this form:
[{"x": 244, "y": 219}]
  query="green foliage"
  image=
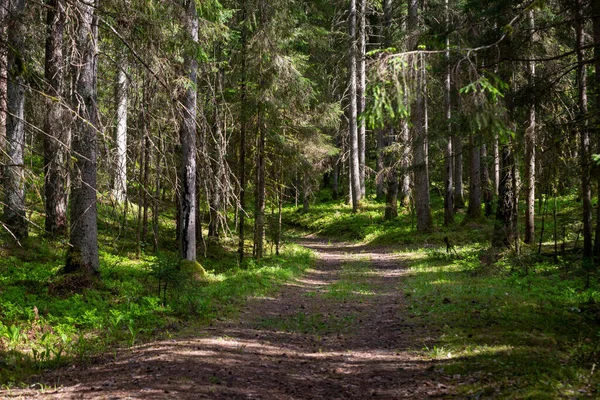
[
  {"x": 533, "y": 333},
  {"x": 137, "y": 299}
]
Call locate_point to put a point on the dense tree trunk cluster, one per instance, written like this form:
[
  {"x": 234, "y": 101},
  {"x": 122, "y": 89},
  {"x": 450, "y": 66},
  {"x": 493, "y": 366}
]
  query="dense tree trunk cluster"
[{"x": 226, "y": 111}]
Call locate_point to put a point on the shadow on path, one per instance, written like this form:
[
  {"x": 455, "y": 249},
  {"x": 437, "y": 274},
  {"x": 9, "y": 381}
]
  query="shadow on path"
[{"x": 342, "y": 331}]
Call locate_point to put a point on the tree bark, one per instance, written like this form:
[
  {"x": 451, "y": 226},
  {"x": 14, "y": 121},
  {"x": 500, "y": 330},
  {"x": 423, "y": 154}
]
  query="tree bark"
[
  {"x": 420, "y": 159},
  {"x": 243, "y": 130},
  {"x": 4, "y": 4},
  {"x": 83, "y": 252},
  {"x": 486, "y": 183},
  {"x": 495, "y": 164},
  {"x": 361, "y": 95},
  {"x": 352, "y": 111},
  {"x": 448, "y": 153},
  {"x": 504, "y": 226},
  {"x": 14, "y": 205},
  {"x": 260, "y": 190},
  {"x": 595, "y": 4},
  {"x": 583, "y": 134},
  {"x": 419, "y": 124},
  {"x": 259, "y": 204},
  {"x": 474, "y": 209},
  {"x": 391, "y": 196},
  {"x": 120, "y": 185},
  {"x": 530, "y": 144},
  {"x": 459, "y": 193},
  {"x": 386, "y": 137},
  {"x": 405, "y": 165},
  {"x": 379, "y": 165},
  {"x": 306, "y": 190},
  {"x": 187, "y": 180},
  {"x": 57, "y": 134}
]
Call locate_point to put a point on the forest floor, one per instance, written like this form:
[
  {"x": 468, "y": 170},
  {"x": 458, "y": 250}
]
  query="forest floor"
[{"x": 341, "y": 331}]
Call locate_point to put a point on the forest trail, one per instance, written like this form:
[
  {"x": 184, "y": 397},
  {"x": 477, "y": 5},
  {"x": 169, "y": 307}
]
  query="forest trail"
[{"x": 341, "y": 331}]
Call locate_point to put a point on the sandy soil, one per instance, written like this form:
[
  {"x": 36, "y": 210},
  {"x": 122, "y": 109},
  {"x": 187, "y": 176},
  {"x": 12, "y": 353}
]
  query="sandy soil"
[{"x": 301, "y": 344}]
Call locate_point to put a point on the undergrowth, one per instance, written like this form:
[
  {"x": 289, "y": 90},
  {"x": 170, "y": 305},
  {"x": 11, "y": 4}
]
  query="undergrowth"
[
  {"x": 502, "y": 324},
  {"x": 45, "y": 322}
]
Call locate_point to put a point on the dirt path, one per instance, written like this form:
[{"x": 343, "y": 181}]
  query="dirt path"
[{"x": 342, "y": 331}]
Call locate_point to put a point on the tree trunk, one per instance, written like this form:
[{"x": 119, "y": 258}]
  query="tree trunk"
[
  {"x": 335, "y": 185},
  {"x": 187, "y": 189},
  {"x": 391, "y": 196},
  {"x": 419, "y": 124},
  {"x": 259, "y": 207},
  {"x": 120, "y": 184},
  {"x": 530, "y": 143},
  {"x": 146, "y": 178},
  {"x": 596, "y": 26},
  {"x": 260, "y": 190},
  {"x": 57, "y": 134},
  {"x": 14, "y": 206},
  {"x": 156, "y": 200},
  {"x": 83, "y": 251},
  {"x": 379, "y": 165},
  {"x": 305, "y": 192},
  {"x": 504, "y": 227},
  {"x": 495, "y": 165},
  {"x": 405, "y": 164},
  {"x": 4, "y": 4},
  {"x": 420, "y": 159},
  {"x": 583, "y": 134},
  {"x": 352, "y": 112},
  {"x": 459, "y": 193},
  {"x": 243, "y": 130},
  {"x": 486, "y": 183},
  {"x": 474, "y": 209},
  {"x": 361, "y": 95},
  {"x": 448, "y": 154}
]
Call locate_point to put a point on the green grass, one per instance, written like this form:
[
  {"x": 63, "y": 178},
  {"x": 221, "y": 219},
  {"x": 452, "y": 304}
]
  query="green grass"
[
  {"x": 301, "y": 322},
  {"x": 336, "y": 220},
  {"x": 524, "y": 336},
  {"x": 46, "y": 320},
  {"x": 353, "y": 283},
  {"x": 503, "y": 325}
]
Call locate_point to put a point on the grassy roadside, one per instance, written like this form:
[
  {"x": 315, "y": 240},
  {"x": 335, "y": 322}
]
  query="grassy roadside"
[
  {"x": 504, "y": 326},
  {"x": 507, "y": 335},
  {"x": 44, "y": 322}
]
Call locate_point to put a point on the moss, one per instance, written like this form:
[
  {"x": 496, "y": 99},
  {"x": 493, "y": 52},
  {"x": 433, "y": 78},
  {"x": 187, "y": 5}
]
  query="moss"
[{"x": 193, "y": 269}]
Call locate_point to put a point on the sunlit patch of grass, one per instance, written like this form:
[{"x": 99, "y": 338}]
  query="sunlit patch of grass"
[
  {"x": 321, "y": 324},
  {"x": 44, "y": 324},
  {"x": 519, "y": 335},
  {"x": 353, "y": 282}
]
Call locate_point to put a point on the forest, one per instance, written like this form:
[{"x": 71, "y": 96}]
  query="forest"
[{"x": 235, "y": 195}]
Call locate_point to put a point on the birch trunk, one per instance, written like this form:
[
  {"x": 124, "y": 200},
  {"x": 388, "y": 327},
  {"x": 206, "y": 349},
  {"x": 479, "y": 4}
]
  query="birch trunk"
[
  {"x": 352, "y": 112},
  {"x": 361, "y": 95},
  {"x": 187, "y": 179},
  {"x": 120, "y": 185}
]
